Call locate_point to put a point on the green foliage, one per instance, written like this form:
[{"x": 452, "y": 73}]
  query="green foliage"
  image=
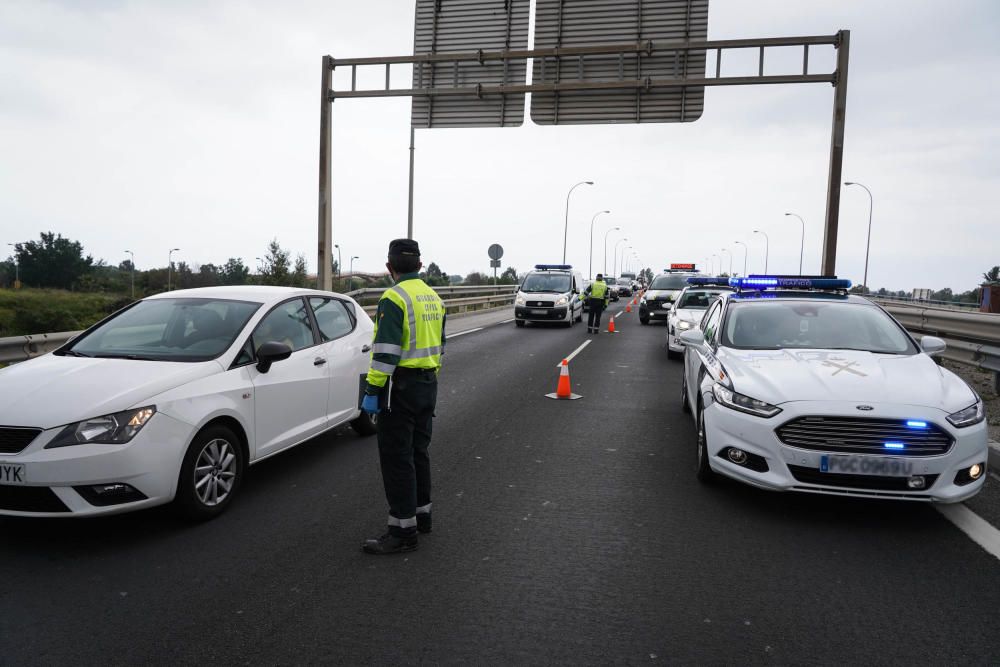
[
  {"x": 32, "y": 311},
  {"x": 234, "y": 272},
  {"x": 53, "y": 261},
  {"x": 276, "y": 265},
  {"x": 299, "y": 276},
  {"x": 992, "y": 276},
  {"x": 476, "y": 278},
  {"x": 434, "y": 276},
  {"x": 509, "y": 276}
]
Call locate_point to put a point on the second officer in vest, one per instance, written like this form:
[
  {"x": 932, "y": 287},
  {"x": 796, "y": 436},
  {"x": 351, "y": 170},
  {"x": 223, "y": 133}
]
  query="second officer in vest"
[
  {"x": 597, "y": 300},
  {"x": 402, "y": 390}
]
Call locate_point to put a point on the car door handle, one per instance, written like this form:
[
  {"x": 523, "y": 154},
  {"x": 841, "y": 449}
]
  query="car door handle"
[
  {"x": 319, "y": 361},
  {"x": 366, "y": 349}
]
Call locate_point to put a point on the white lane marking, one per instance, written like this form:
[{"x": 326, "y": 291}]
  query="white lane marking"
[
  {"x": 618, "y": 313},
  {"x": 462, "y": 333},
  {"x": 575, "y": 352},
  {"x": 507, "y": 321},
  {"x": 978, "y": 529}
]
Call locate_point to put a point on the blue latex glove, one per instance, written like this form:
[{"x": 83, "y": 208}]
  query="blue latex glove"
[{"x": 370, "y": 404}]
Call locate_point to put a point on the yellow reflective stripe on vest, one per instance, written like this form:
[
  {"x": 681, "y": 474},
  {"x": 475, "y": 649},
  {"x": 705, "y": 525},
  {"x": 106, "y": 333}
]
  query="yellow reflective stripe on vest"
[
  {"x": 421, "y": 345},
  {"x": 598, "y": 289},
  {"x": 408, "y": 309}
]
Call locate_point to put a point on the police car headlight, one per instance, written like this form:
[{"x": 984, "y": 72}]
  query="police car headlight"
[
  {"x": 519, "y": 301},
  {"x": 969, "y": 416},
  {"x": 683, "y": 325},
  {"x": 741, "y": 403},
  {"x": 562, "y": 301}
]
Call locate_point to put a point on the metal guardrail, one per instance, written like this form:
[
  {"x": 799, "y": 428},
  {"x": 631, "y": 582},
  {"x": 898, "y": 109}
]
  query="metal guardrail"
[
  {"x": 922, "y": 303},
  {"x": 465, "y": 299}
]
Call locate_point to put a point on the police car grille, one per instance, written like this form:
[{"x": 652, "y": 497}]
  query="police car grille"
[
  {"x": 866, "y": 482},
  {"x": 540, "y": 304},
  {"x": 14, "y": 439},
  {"x": 853, "y": 435}
]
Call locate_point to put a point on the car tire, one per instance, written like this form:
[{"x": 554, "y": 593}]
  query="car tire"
[
  {"x": 685, "y": 403},
  {"x": 518, "y": 323},
  {"x": 704, "y": 473},
  {"x": 644, "y": 321},
  {"x": 217, "y": 448},
  {"x": 366, "y": 424},
  {"x": 671, "y": 354}
]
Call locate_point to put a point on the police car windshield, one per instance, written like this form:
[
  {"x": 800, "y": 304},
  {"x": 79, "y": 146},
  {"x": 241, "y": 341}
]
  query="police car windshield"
[
  {"x": 698, "y": 299},
  {"x": 546, "y": 282},
  {"x": 775, "y": 325},
  {"x": 669, "y": 281}
]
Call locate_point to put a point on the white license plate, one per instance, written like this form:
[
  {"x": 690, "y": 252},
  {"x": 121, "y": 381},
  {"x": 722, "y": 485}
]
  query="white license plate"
[
  {"x": 539, "y": 312},
  {"x": 12, "y": 473},
  {"x": 667, "y": 305},
  {"x": 866, "y": 465}
]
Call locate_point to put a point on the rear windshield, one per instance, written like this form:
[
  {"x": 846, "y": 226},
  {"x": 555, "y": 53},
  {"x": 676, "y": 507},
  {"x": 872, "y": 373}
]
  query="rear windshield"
[
  {"x": 698, "y": 299},
  {"x": 669, "y": 282},
  {"x": 546, "y": 282},
  {"x": 778, "y": 325}
]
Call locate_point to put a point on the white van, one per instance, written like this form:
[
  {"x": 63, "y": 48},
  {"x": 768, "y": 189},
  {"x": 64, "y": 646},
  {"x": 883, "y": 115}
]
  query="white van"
[{"x": 549, "y": 293}]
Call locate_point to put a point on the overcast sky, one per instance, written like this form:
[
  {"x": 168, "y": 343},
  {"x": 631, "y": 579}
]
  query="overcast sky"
[{"x": 194, "y": 124}]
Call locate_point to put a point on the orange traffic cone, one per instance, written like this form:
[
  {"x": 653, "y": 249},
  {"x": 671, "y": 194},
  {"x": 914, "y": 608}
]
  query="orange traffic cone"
[
  {"x": 611, "y": 325},
  {"x": 628, "y": 308},
  {"x": 564, "y": 388}
]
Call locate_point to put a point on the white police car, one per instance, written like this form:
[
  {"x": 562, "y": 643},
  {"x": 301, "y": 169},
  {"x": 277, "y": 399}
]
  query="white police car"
[
  {"x": 549, "y": 293},
  {"x": 796, "y": 386},
  {"x": 690, "y": 307}
]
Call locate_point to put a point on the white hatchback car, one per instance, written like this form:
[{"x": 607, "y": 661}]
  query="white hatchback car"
[
  {"x": 797, "y": 386},
  {"x": 171, "y": 398},
  {"x": 688, "y": 310}
]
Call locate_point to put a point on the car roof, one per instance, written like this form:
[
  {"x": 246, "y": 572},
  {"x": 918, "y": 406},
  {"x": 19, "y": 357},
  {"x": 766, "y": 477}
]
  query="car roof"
[
  {"x": 758, "y": 296},
  {"x": 253, "y": 293}
]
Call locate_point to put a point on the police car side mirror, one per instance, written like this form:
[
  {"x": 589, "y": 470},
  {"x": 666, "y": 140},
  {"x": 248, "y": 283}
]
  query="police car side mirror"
[
  {"x": 932, "y": 345},
  {"x": 693, "y": 337}
]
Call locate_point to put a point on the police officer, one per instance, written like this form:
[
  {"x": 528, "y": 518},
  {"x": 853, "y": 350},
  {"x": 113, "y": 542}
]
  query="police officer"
[
  {"x": 597, "y": 294},
  {"x": 402, "y": 390}
]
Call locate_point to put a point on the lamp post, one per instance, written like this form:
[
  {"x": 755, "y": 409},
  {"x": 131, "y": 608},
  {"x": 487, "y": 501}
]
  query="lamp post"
[
  {"x": 590, "y": 270},
  {"x": 352, "y": 270},
  {"x": 613, "y": 229},
  {"x": 745, "y": 253},
  {"x": 566, "y": 223},
  {"x": 614, "y": 258},
  {"x": 170, "y": 263},
  {"x": 17, "y": 265},
  {"x": 340, "y": 262},
  {"x": 716, "y": 257},
  {"x": 868, "y": 244},
  {"x": 730, "y": 261},
  {"x": 802, "y": 244},
  {"x": 133, "y": 271},
  {"x": 767, "y": 246},
  {"x": 621, "y": 264}
]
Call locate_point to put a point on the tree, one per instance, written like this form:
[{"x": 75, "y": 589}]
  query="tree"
[
  {"x": 53, "y": 261},
  {"x": 434, "y": 276},
  {"x": 476, "y": 278},
  {"x": 234, "y": 272},
  {"x": 992, "y": 276},
  {"x": 509, "y": 276},
  {"x": 300, "y": 273},
  {"x": 275, "y": 267}
]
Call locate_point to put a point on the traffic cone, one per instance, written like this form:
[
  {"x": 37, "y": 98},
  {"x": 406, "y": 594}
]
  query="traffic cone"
[
  {"x": 628, "y": 308},
  {"x": 564, "y": 390},
  {"x": 611, "y": 325}
]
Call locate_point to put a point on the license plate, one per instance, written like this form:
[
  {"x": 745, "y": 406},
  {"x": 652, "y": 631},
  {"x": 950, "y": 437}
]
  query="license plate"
[
  {"x": 539, "y": 312},
  {"x": 666, "y": 305},
  {"x": 12, "y": 473},
  {"x": 866, "y": 465}
]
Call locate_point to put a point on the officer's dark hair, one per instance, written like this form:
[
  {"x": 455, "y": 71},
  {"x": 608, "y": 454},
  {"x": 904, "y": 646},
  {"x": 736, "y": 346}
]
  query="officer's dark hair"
[{"x": 404, "y": 263}]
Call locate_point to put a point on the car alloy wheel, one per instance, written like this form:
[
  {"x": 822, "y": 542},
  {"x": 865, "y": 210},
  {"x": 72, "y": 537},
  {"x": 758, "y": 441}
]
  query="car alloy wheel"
[
  {"x": 215, "y": 472},
  {"x": 211, "y": 473}
]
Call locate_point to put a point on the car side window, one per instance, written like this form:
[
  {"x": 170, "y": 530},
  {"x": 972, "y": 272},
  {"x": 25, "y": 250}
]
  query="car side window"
[
  {"x": 246, "y": 355},
  {"x": 289, "y": 324},
  {"x": 710, "y": 324},
  {"x": 332, "y": 318}
]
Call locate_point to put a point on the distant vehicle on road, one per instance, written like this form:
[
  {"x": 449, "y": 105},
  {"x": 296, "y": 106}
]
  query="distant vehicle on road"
[
  {"x": 549, "y": 293},
  {"x": 661, "y": 294},
  {"x": 794, "y": 385},
  {"x": 624, "y": 286},
  {"x": 689, "y": 308},
  {"x": 173, "y": 397}
]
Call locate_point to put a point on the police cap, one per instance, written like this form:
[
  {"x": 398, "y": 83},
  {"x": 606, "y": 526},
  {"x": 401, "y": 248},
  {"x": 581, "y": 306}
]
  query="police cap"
[{"x": 404, "y": 248}]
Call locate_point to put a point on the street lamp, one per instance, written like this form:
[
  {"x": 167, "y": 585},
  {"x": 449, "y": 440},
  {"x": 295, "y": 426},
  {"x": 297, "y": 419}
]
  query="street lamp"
[
  {"x": 566, "y": 224},
  {"x": 730, "y": 262},
  {"x": 17, "y": 265},
  {"x": 170, "y": 263},
  {"x": 767, "y": 247},
  {"x": 716, "y": 257},
  {"x": 590, "y": 270},
  {"x": 871, "y": 205},
  {"x": 613, "y": 229},
  {"x": 133, "y": 271},
  {"x": 340, "y": 262},
  {"x": 352, "y": 270},
  {"x": 802, "y": 244},
  {"x": 745, "y": 253},
  {"x": 622, "y": 262},
  {"x": 614, "y": 257}
]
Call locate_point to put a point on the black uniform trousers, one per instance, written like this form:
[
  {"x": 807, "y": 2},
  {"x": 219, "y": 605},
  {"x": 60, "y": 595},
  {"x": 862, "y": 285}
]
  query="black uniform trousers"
[
  {"x": 595, "y": 309},
  {"x": 404, "y": 434}
]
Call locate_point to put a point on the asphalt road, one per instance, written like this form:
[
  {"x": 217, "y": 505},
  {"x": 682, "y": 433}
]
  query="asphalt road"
[{"x": 565, "y": 533}]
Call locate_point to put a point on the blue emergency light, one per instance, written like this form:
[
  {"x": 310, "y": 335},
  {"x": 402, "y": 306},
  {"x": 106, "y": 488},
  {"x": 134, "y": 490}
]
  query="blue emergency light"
[
  {"x": 551, "y": 267},
  {"x": 916, "y": 424},
  {"x": 894, "y": 445},
  {"x": 790, "y": 282},
  {"x": 705, "y": 280}
]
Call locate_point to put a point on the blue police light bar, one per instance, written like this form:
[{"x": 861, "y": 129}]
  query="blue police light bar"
[
  {"x": 549, "y": 267},
  {"x": 705, "y": 280},
  {"x": 894, "y": 445},
  {"x": 790, "y": 282},
  {"x": 912, "y": 423}
]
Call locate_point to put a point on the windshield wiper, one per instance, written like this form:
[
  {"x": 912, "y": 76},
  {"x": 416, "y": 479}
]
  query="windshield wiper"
[
  {"x": 132, "y": 357},
  {"x": 74, "y": 353}
]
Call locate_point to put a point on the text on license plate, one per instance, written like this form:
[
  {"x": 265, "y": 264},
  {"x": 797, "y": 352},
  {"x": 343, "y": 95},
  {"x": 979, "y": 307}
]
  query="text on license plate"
[
  {"x": 539, "y": 312},
  {"x": 866, "y": 465},
  {"x": 11, "y": 473}
]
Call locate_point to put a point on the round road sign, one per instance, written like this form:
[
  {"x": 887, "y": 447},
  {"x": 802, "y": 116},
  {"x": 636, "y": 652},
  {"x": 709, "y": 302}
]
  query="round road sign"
[{"x": 495, "y": 251}]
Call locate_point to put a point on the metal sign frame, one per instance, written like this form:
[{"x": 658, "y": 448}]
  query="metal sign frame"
[{"x": 452, "y": 86}]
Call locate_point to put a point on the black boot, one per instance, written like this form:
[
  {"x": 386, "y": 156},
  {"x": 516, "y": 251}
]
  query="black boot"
[
  {"x": 392, "y": 542},
  {"x": 424, "y": 522}
]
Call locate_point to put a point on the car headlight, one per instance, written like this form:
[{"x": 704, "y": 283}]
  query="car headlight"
[
  {"x": 736, "y": 401},
  {"x": 969, "y": 416},
  {"x": 519, "y": 301},
  {"x": 113, "y": 429},
  {"x": 683, "y": 325},
  {"x": 562, "y": 301}
]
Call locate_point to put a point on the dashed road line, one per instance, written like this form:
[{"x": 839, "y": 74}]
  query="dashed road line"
[
  {"x": 462, "y": 333},
  {"x": 977, "y": 528},
  {"x": 507, "y": 321},
  {"x": 574, "y": 353}
]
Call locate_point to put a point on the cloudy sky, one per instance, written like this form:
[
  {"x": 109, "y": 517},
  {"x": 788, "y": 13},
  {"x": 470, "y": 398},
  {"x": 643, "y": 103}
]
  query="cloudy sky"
[{"x": 194, "y": 124}]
